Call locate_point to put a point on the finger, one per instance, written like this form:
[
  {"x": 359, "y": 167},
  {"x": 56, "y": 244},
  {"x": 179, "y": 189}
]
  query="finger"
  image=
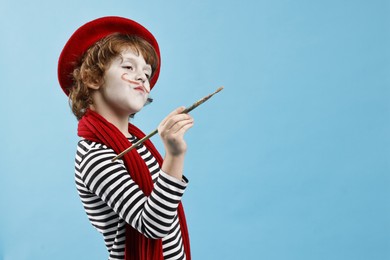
[
  {"x": 174, "y": 112},
  {"x": 175, "y": 119},
  {"x": 176, "y": 129},
  {"x": 184, "y": 129}
]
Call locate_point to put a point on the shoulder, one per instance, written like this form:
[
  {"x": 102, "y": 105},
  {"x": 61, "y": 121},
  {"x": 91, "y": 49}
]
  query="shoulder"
[
  {"x": 89, "y": 150},
  {"x": 86, "y": 146}
]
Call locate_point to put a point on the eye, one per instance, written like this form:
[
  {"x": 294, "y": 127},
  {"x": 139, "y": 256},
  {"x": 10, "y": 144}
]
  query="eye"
[
  {"x": 148, "y": 73},
  {"x": 128, "y": 67}
]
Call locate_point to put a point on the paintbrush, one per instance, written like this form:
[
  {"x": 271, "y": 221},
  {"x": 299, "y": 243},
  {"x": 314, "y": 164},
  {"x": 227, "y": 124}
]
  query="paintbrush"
[{"x": 185, "y": 111}]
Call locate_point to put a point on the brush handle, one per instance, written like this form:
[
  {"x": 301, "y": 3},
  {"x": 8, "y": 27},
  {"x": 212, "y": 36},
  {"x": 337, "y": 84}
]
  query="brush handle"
[
  {"x": 140, "y": 141},
  {"x": 146, "y": 137}
]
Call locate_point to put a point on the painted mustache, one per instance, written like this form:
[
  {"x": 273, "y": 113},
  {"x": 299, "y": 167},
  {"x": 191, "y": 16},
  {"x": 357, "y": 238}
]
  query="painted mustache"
[{"x": 138, "y": 84}]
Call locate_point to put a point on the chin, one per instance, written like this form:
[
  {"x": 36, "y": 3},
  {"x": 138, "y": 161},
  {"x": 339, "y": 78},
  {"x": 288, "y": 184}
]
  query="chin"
[
  {"x": 135, "y": 109},
  {"x": 135, "y": 106}
]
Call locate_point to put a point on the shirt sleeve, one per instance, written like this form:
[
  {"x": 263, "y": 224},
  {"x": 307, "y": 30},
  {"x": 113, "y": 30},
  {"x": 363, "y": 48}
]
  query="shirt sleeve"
[{"x": 151, "y": 215}]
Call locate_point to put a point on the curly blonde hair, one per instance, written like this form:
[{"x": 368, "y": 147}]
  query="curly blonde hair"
[{"x": 96, "y": 60}]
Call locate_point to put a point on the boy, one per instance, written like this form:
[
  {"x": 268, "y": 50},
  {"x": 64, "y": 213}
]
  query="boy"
[{"x": 107, "y": 68}]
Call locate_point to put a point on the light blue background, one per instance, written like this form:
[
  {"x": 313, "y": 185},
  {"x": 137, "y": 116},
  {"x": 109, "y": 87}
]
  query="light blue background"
[{"x": 289, "y": 161}]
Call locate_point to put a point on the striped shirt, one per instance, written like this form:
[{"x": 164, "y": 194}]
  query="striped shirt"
[{"x": 111, "y": 199}]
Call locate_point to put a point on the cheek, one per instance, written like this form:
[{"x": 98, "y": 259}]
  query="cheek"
[{"x": 114, "y": 91}]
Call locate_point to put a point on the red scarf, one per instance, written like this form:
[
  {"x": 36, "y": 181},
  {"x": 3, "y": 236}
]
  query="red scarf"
[{"x": 94, "y": 127}]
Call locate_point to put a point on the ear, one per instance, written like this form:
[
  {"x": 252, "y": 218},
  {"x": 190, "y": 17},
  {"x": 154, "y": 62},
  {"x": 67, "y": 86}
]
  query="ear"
[
  {"x": 91, "y": 82},
  {"x": 93, "y": 85}
]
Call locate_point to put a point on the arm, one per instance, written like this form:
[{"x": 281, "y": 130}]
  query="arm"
[{"x": 153, "y": 215}]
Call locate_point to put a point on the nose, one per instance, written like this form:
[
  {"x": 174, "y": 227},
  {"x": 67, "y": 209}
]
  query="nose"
[{"x": 141, "y": 77}]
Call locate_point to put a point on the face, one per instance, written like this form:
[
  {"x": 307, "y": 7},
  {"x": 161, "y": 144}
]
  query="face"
[{"x": 126, "y": 84}]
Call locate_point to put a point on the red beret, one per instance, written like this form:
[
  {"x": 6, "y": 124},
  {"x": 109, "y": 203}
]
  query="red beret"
[{"x": 91, "y": 32}]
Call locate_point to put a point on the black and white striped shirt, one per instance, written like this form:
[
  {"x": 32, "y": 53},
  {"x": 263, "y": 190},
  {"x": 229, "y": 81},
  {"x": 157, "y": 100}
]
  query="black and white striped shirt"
[{"x": 111, "y": 199}]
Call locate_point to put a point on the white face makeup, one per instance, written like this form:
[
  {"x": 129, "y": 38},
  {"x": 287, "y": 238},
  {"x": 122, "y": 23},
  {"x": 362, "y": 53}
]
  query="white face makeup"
[{"x": 126, "y": 83}]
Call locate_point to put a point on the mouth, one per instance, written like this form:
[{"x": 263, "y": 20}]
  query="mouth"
[{"x": 140, "y": 89}]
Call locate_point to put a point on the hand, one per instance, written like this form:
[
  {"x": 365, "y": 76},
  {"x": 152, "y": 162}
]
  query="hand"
[{"x": 172, "y": 130}]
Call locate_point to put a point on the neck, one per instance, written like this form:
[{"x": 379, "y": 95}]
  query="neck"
[{"x": 120, "y": 121}]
